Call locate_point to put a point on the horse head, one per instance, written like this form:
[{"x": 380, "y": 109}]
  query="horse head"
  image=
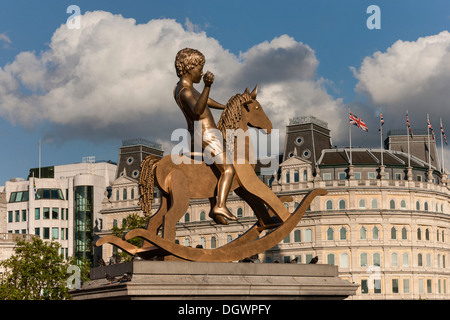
[{"x": 253, "y": 113}]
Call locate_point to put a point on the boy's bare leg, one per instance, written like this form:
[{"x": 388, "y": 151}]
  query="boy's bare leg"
[{"x": 220, "y": 209}]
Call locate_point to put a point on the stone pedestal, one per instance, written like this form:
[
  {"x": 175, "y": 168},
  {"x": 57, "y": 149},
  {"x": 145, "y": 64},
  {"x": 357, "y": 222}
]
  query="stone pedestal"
[{"x": 172, "y": 280}]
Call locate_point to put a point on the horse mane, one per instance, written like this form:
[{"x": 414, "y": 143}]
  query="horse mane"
[{"x": 232, "y": 114}]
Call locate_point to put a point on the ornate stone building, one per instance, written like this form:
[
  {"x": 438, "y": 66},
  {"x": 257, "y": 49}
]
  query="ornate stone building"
[{"x": 385, "y": 224}]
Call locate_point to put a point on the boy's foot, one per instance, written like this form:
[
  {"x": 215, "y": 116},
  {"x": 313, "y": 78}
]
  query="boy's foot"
[{"x": 219, "y": 214}]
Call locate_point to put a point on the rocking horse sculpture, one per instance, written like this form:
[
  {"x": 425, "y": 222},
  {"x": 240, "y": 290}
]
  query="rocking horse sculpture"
[{"x": 188, "y": 178}]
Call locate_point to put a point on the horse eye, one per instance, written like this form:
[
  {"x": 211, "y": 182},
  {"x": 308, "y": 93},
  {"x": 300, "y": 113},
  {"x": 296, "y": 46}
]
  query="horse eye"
[{"x": 257, "y": 107}]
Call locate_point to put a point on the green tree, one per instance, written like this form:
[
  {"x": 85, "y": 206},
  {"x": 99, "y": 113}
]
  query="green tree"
[
  {"x": 37, "y": 272},
  {"x": 131, "y": 222}
]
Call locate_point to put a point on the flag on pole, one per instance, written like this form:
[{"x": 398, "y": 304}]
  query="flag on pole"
[
  {"x": 443, "y": 133},
  {"x": 381, "y": 121},
  {"x": 408, "y": 125},
  {"x": 430, "y": 128},
  {"x": 358, "y": 122}
]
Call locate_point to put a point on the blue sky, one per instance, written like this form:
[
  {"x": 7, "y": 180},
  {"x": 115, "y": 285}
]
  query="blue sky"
[{"x": 334, "y": 32}]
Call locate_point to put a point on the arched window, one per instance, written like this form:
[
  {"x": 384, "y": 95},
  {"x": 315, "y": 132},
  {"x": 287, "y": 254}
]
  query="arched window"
[
  {"x": 124, "y": 194},
  {"x": 297, "y": 236},
  {"x": 239, "y": 213},
  {"x": 394, "y": 260},
  {"x": 343, "y": 260},
  {"x": 405, "y": 259},
  {"x": 329, "y": 205},
  {"x": 419, "y": 260},
  {"x": 213, "y": 242},
  {"x": 362, "y": 233},
  {"x": 374, "y": 204},
  {"x": 203, "y": 242},
  {"x": 404, "y": 233},
  {"x": 363, "y": 260},
  {"x": 343, "y": 233},
  {"x": 187, "y": 242},
  {"x": 330, "y": 234},
  {"x": 376, "y": 259},
  {"x": 393, "y": 233},
  {"x": 187, "y": 217},
  {"x": 425, "y": 206},
  {"x": 362, "y": 204},
  {"x": 330, "y": 258},
  {"x": 419, "y": 234},
  {"x": 305, "y": 175},
  {"x": 341, "y": 204},
  {"x": 115, "y": 223},
  {"x": 403, "y": 204},
  {"x": 417, "y": 205},
  {"x": 427, "y": 234},
  {"x": 375, "y": 233},
  {"x": 202, "y": 215},
  {"x": 308, "y": 235},
  {"x": 229, "y": 238},
  {"x": 392, "y": 204}
]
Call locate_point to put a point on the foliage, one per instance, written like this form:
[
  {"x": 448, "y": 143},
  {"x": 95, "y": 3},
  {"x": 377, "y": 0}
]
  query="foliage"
[
  {"x": 37, "y": 272},
  {"x": 131, "y": 222}
]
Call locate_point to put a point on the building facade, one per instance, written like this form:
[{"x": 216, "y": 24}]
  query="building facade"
[
  {"x": 63, "y": 205},
  {"x": 385, "y": 221}
]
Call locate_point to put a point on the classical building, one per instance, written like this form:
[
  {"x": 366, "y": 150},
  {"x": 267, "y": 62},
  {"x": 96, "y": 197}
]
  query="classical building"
[
  {"x": 385, "y": 221},
  {"x": 63, "y": 204}
]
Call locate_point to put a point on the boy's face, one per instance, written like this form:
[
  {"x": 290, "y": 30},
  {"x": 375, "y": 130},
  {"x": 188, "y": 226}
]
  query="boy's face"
[{"x": 197, "y": 73}]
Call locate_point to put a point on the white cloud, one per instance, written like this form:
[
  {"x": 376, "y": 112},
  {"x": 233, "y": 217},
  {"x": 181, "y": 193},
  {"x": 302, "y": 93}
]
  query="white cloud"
[
  {"x": 4, "y": 38},
  {"x": 114, "y": 78}
]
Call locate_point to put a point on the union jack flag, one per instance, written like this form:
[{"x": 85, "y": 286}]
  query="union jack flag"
[
  {"x": 430, "y": 128},
  {"x": 443, "y": 134},
  {"x": 358, "y": 122},
  {"x": 381, "y": 118},
  {"x": 408, "y": 125}
]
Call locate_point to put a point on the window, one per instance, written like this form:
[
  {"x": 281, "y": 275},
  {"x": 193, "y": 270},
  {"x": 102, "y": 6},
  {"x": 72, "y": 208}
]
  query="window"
[
  {"x": 343, "y": 260},
  {"x": 364, "y": 286},
  {"x": 357, "y": 176},
  {"x": 376, "y": 258},
  {"x": 426, "y": 206},
  {"x": 46, "y": 233},
  {"x": 392, "y": 204},
  {"x": 398, "y": 176},
  {"x": 417, "y": 205},
  {"x": 403, "y": 204},
  {"x": 375, "y": 233},
  {"x": 405, "y": 259},
  {"x": 377, "y": 286},
  {"x": 187, "y": 242},
  {"x": 132, "y": 193},
  {"x": 341, "y": 204},
  {"x": 46, "y": 213},
  {"x": 37, "y": 213},
  {"x": 55, "y": 213},
  {"x": 17, "y": 215},
  {"x": 24, "y": 215},
  {"x": 372, "y": 175},
  {"x": 288, "y": 177},
  {"x": 362, "y": 203},
  {"x": 363, "y": 260},
  {"x": 54, "y": 194},
  {"x": 203, "y": 242},
  {"x": 18, "y": 196},
  {"x": 394, "y": 260},
  {"x": 428, "y": 258},
  {"x": 393, "y": 233},
  {"x": 239, "y": 213},
  {"x": 117, "y": 194},
  {"x": 342, "y": 175},
  {"x": 429, "y": 286},
  {"x": 404, "y": 234},
  {"x": 296, "y": 176},
  {"x": 229, "y": 238},
  {"x": 419, "y": 234},
  {"x": 287, "y": 239},
  {"x": 187, "y": 217},
  {"x": 362, "y": 233},
  {"x": 55, "y": 233},
  {"x": 213, "y": 242},
  {"x": 330, "y": 258},
  {"x": 343, "y": 233},
  {"x": 330, "y": 234},
  {"x": 394, "y": 285},
  {"x": 37, "y": 232},
  {"x": 308, "y": 235},
  {"x": 427, "y": 234},
  {"x": 305, "y": 175},
  {"x": 203, "y": 216},
  {"x": 10, "y": 216},
  {"x": 329, "y": 205},
  {"x": 326, "y": 176},
  {"x": 419, "y": 260},
  {"x": 297, "y": 236},
  {"x": 124, "y": 194},
  {"x": 374, "y": 204}
]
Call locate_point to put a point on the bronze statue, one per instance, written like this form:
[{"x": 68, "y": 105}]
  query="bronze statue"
[{"x": 185, "y": 180}]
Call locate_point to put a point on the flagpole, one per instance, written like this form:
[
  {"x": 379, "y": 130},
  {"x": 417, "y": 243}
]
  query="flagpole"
[
  {"x": 407, "y": 134},
  {"x": 381, "y": 138},
  {"x": 350, "y": 136},
  {"x": 429, "y": 147},
  {"x": 442, "y": 148}
]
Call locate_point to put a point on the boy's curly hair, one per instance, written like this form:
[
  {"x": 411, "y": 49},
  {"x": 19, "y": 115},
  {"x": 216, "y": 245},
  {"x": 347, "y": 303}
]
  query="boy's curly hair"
[{"x": 188, "y": 59}]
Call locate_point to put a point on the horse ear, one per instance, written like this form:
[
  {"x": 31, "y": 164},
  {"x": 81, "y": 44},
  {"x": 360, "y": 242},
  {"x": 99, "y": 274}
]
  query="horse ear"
[
  {"x": 246, "y": 90},
  {"x": 254, "y": 92}
]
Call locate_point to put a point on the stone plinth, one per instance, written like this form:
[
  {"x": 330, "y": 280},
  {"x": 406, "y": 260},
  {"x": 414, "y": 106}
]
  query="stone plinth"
[{"x": 209, "y": 280}]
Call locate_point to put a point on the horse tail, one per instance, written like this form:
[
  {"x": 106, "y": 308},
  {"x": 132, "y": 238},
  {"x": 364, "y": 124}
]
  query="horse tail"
[{"x": 147, "y": 183}]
